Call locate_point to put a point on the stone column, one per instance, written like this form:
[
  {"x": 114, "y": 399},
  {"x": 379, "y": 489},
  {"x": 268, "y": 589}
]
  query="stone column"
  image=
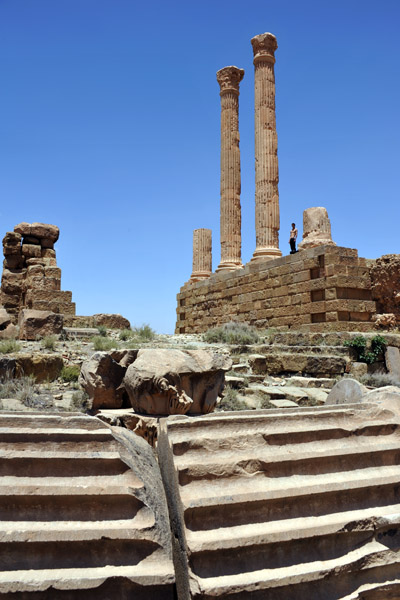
[
  {"x": 229, "y": 79},
  {"x": 316, "y": 228},
  {"x": 266, "y": 149},
  {"x": 202, "y": 257}
]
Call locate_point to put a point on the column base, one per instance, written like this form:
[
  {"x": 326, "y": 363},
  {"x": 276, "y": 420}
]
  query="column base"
[
  {"x": 267, "y": 253},
  {"x": 228, "y": 266},
  {"x": 198, "y": 276}
]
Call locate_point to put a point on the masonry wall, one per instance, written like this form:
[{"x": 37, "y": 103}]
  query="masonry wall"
[{"x": 322, "y": 288}]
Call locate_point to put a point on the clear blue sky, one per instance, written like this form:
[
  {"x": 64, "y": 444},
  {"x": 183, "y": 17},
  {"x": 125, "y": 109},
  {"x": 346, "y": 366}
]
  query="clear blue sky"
[{"x": 110, "y": 125}]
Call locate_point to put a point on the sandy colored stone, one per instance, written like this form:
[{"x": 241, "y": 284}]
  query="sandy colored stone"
[
  {"x": 34, "y": 324},
  {"x": 163, "y": 382},
  {"x": 316, "y": 228},
  {"x": 266, "y": 149},
  {"x": 385, "y": 284},
  {"x": 202, "y": 255},
  {"x": 392, "y": 361},
  {"x": 279, "y": 506},
  {"x": 85, "y": 515},
  {"x": 385, "y": 321},
  {"x": 42, "y": 367},
  {"x": 24, "y": 229},
  {"x": 31, "y": 250},
  {"x": 101, "y": 377},
  {"x": 113, "y": 321},
  {"x": 229, "y": 79},
  {"x": 346, "y": 391},
  {"x": 45, "y": 230}
]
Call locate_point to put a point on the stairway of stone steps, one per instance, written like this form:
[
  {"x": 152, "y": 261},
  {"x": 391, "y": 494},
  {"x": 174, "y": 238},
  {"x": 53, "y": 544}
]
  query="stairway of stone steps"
[
  {"x": 77, "y": 521},
  {"x": 298, "y": 504}
]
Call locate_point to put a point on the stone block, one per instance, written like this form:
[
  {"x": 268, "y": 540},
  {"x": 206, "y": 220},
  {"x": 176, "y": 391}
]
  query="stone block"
[
  {"x": 35, "y": 324},
  {"x": 31, "y": 251},
  {"x": 24, "y": 229},
  {"x": 42, "y": 367},
  {"x": 12, "y": 281},
  {"x": 392, "y": 361},
  {"x": 48, "y": 253},
  {"x": 113, "y": 321},
  {"x": 45, "y": 230},
  {"x": 346, "y": 391},
  {"x": 30, "y": 239}
]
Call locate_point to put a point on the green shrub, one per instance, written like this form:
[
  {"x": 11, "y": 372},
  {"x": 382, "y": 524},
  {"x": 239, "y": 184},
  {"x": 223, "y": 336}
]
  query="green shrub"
[
  {"x": 231, "y": 401},
  {"x": 232, "y": 333},
  {"x": 80, "y": 401},
  {"x": 144, "y": 333},
  {"x": 125, "y": 334},
  {"x": 359, "y": 345},
  {"x": 379, "y": 379},
  {"x": 70, "y": 373},
  {"x": 49, "y": 342},
  {"x": 102, "y": 329},
  {"x": 102, "y": 343},
  {"x": 8, "y": 346}
]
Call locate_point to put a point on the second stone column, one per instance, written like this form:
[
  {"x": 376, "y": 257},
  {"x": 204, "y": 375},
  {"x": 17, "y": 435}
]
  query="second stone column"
[
  {"x": 229, "y": 79},
  {"x": 266, "y": 149}
]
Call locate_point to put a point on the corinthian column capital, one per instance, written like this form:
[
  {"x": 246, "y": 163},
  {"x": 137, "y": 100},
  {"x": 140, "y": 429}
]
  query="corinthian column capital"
[
  {"x": 229, "y": 79},
  {"x": 264, "y": 46}
]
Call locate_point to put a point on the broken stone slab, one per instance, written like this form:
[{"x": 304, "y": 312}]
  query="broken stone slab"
[
  {"x": 112, "y": 321},
  {"x": 283, "y": 403},
  {"x": 163, "y": 382},
  {"x": 35, "y": 324},
  {"x": 312, "y": 382},
  {"x": 346, "y": 391},
  {"x": 316, "y": 396},
  {"x": 101, "y": 377},
  {"x": 142, "y": 425},
  {"x": 392, "y": 361}
]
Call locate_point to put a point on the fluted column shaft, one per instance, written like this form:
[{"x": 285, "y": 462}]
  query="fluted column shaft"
[
  {"x": 230, "y": 216},
  {"x": 202, "y": 254},
  {"x": 266, "y": 149}
]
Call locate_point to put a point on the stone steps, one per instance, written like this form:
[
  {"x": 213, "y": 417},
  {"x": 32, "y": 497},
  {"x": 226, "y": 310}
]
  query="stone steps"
[
  {"x": 76, "y": 520},
  {"x": 268, "y": 349},
  {"x": 280, "y": 506}
]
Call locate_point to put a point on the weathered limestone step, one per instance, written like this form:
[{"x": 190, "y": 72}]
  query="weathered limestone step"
[
  {"x": 268, "y": 349},
  {"x": 280, "y": 505},
  {"x": 87, "y": 581},
  {"x": 261, "y": 484},
  {"x": 24, "y": 434},
  {"x": 262, "y": 584},
  {"x": 185, "y": 428},
  {"x": 250, "y": 534},
  {"x": 288, "y": 362},
  {"x": 82, "y": 512},
  {"x": 43, "y": 420}
]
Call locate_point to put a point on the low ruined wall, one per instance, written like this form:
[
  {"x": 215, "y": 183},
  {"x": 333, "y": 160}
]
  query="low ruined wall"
[{"x": 322, "y": 288}]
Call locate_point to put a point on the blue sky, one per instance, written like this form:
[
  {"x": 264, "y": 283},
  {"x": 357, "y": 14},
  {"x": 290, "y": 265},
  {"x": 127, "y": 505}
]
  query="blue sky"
[{"x": 110, "y": 125}]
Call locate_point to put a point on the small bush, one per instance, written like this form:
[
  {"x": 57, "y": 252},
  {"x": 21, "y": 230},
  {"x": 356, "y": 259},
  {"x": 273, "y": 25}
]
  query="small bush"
[
  {"x": 125, "y": 334},
  {"x": 231, "y": 401},
  {"x": 103, "y": 343},
  {"x": 379, "y": 379},
  {"x": 80, "y": 401},
  {"x": 70, "y": 373},
  {"x": 144, "y": 333},
  {"x": 359, "y": 345},
  {"x": 232, "y": 333},
  {"x": 102, "y": 329},
  {"x": 8, "y": 346},
  {"x": 49, "y": 342}
]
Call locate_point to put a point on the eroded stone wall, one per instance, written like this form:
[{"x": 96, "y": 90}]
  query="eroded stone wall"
[
  {"x": 322, "y": 288},
  {"x": 31, "y": 278}
]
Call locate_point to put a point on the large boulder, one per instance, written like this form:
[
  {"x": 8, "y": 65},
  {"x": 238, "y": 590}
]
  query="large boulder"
[
  {"x": 112, "y": 321},
  {"x": 35, "y": 324},
  {"x": 101, "y": 377},
  {"x": 165, "y": 382}
]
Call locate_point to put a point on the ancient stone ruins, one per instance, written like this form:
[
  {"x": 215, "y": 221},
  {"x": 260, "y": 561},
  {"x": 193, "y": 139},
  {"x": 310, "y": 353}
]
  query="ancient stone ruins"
[
  {"x": 323, "y": 287},
  {"x": 156, "y": 497}
]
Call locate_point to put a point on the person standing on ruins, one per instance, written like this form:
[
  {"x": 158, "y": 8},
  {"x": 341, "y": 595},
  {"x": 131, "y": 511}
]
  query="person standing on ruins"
[{"x": 292, "y": 239}]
